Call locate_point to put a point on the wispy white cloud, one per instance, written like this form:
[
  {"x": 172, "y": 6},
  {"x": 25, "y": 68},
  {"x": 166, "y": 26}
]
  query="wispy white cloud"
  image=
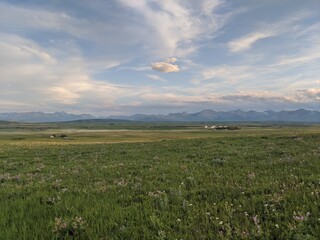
[
  {"x": 287, "y": 24},
  {"x": 66, "y": 34},
  {"x": 171, "y": 60},
  {"x": 208, "y": 7},
  {"x": 156, "y": 77},
  {"x": 32, "y": 75},
  {"x": 305, "y": 56},
  {"x": 31, "y": 18},
  {"x": 278, "y": 73},
  {"x": 176, "y": 25},
  {"x": 226, "y": 73},
  {"x": 245, "y": 42}
]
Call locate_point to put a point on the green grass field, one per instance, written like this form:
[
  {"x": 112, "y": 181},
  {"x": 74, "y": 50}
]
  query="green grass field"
[{"x": 174, "y": 182}]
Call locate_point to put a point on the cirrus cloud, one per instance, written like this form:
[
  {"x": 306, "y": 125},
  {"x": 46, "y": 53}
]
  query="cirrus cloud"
[{"x": 244, "y": 43}]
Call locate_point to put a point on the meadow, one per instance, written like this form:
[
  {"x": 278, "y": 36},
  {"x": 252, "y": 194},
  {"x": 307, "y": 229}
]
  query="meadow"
[{"x": 159, "y": 181}]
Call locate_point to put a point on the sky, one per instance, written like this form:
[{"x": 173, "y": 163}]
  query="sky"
[{"x": 122, "y": 57}]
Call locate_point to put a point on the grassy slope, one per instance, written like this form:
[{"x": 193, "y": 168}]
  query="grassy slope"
[{"x": 247, "y": 184}]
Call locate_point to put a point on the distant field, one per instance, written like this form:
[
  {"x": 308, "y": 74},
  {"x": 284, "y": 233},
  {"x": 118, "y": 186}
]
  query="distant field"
[
  {"x": 133, "y": 132},
  {"x": 159, "y": 182}
]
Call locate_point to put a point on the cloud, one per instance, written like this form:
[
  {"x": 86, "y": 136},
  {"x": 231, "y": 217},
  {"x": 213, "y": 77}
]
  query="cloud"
[
  {"x": 227, "y": 73},
  {"x": 176, "y": 27},
  {"x": 224, "y": 75},
  {"x": 298, "y": 60},
  {"x": 59, "y": 29},
  {"x": 305, "y": 95},
  {"x": 245, "y": 42},
  {"x": 156, "y": 77},
  {"x": 304, "y": 52},
  {"x": 171, "y": 60},
  {"x": 209, "y": 6},
  {"x": 56, "y": 56},
  {"x": 172, "y": 98},
  {"x": 34, "y": 79},
  {"x": 290, "y": 66},
  {"x": 259, "y": 100},
  {"x": 165, "y": 67},
  {"x": 288, "y": 24}
]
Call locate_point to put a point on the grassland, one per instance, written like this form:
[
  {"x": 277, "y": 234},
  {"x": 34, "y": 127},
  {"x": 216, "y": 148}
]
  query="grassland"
[{"x": 159, "y": 182}]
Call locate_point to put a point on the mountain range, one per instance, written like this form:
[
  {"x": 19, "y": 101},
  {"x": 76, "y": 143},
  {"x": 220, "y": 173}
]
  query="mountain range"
[
  {"x": 42, "y": 117},
  {"x": 301, "y": 115}
]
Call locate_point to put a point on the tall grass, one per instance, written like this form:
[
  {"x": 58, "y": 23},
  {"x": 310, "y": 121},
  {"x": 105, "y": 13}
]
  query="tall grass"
[{"x": 243, "y": 187}]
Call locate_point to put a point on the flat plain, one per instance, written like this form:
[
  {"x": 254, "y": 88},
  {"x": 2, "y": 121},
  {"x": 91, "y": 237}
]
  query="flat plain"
[{"x": 159, "y": 181}]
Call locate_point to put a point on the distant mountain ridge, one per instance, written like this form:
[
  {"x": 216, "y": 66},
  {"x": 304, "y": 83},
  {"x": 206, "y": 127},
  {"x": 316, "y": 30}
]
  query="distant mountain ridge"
[
  {"x": 43, "y": 117},
  {"x": 300, "y": 115}
]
